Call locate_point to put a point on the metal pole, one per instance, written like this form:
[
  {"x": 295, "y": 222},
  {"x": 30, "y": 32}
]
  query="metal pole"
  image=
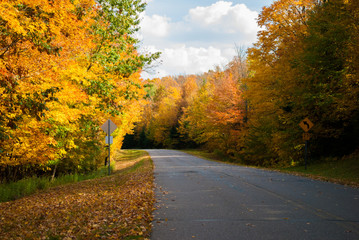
[
  {"x": 109, "y": 147},
  {"x": 306, "y": 154}
]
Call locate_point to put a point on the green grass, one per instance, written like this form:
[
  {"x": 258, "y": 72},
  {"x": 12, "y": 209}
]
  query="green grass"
[
  {"x": 126, "y": 155},
  {"x": 25, "y": 187},
  {"x": 133, "y": 168},
  {"x": 342, "y": 171},
  {"x": 14, "y": 190},
  {"x": 212, "y": 156}
]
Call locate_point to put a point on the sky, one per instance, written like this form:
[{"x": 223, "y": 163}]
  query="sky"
[{"x": 195, "y": 36}]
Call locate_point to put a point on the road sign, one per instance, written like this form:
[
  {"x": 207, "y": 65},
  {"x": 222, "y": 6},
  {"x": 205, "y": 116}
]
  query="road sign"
[
  {"x": 109, "y": 127},
  {"x": 109, "y": 137},
  {"x": 306, "y": 136},
  {"x": 306, "y": 124}
]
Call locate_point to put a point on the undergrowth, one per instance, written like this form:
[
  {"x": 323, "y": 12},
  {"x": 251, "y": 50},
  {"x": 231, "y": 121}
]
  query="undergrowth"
[{"x": 14, "y": 190}]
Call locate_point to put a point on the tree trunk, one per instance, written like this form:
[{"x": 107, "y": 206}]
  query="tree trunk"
[{"x": 53, "y": 173}]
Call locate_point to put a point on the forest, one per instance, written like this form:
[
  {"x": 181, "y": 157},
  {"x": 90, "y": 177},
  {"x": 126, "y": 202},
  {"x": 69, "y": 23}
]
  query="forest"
[
  {"x": 65, "y": 68},
  {"x": 68, "y": 66},
  {"x": 304, "y": 65}
]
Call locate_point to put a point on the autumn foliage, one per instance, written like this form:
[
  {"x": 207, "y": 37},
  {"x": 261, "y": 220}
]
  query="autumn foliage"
[
  {"x": 304, "y": 64},
  {"x": 65, "y": 68},
  {"x": 115, "y": 207}
]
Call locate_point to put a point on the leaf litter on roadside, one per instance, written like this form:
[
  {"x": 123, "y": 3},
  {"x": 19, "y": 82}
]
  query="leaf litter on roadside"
[{"x": 114, "y": 207}]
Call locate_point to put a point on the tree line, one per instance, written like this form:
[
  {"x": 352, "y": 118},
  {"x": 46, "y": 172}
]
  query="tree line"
[
  {"x": 305, "y": 64},
  {"x": 65, "y": 68}
]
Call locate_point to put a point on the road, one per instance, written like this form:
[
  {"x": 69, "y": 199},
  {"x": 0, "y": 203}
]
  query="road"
[{"x": 200, "y": 199}]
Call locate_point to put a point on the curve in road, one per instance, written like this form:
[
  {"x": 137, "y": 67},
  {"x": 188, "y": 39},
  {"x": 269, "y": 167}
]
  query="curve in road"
[{"x": 200, "y": 199}]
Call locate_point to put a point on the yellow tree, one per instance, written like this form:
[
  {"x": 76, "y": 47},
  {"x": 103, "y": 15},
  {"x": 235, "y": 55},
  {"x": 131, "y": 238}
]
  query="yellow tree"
[
  {"x": 272, "y": 85},
  {"x": 194, "y": 124},
  {"x": 163, "y": 112},
  {"x": 66, "y": 67},
  {"x": 33, "y": 35}
]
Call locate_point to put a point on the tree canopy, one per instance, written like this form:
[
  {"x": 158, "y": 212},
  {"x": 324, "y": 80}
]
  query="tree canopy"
[
  {"x": 303, "y": 65},
  {"x": 66, "y": 67}
]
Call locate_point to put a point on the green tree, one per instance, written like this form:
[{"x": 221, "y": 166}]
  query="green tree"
[{"x": 328, "y": 91}]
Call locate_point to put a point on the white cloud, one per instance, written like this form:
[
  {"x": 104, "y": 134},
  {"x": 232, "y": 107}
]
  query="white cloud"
[
  {"x": 155, "y": 25},
  {"x": 225, "y": 17},
  {"x": 205, "y": 38},
  {"x": 188, "y": 60},
  {"x": 211, "y": 14}
]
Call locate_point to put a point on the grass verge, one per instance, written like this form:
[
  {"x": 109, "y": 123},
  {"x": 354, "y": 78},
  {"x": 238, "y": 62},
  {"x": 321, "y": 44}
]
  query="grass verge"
[
  {"x": 342, "y": 171},
  {"x": 126, "y": 158},
  {"x": 112, "y": 207},
  {"x": 15, "y": 190},
  {"x": 129, "y": 155},
  {"x": 28, "y": 186},
  {"x": 212, "y": 156}
]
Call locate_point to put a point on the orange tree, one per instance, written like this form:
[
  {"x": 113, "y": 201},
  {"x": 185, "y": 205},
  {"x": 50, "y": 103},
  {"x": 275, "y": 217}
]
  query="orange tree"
[
  {"x": 301, "y": 67},
  {"x": 65, "y": 68},
  {"x": 273, "y": 134}
]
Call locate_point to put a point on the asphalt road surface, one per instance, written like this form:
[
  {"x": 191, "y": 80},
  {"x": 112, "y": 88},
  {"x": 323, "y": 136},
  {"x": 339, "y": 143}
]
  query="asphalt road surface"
[{"x": 199, "y": 199}]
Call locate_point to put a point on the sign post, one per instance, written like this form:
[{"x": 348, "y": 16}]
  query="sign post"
[
  {"x": 306, "y": 125},
  {"x": 109, "y": 127},
  {"x": 109, "y": 148}
]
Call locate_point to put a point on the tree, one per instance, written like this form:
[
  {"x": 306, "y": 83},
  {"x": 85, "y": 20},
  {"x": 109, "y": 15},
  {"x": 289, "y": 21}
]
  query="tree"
[
  {"x": 33, "y": 34},
  {"x": 272, "y": 92},
  {"x": 66, "y": 67},
  {"x": 333, "y": 95}
]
